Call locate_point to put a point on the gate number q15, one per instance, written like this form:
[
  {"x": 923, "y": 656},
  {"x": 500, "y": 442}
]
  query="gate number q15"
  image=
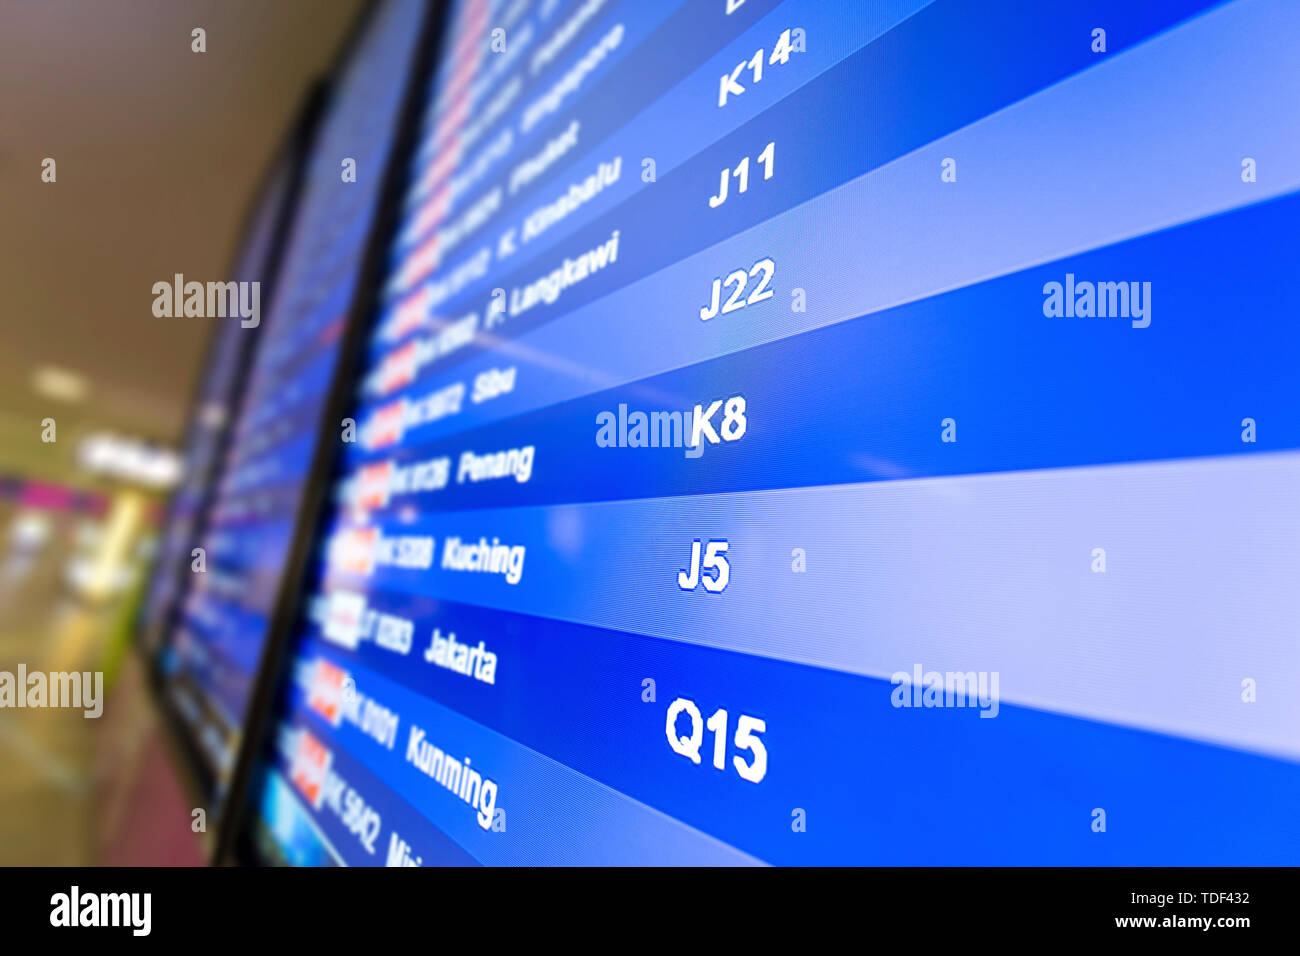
[{"x": 747, "y": 739}]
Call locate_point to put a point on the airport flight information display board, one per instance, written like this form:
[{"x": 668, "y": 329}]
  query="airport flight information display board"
[
  {"x": 216, "y": 650},
  {"x": 214, "y": 406},
  {"x": 770, "y": 449}
]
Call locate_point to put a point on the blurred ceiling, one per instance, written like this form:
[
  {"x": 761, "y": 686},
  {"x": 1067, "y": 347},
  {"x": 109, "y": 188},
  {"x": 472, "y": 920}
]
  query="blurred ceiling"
[{"x": 158, "y": 150}]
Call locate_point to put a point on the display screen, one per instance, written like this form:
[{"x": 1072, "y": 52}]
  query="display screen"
[
  {"x": 216, "y": 650},
  {"x": 769, "y": 450},
  {"x": 214, "y": 406}
]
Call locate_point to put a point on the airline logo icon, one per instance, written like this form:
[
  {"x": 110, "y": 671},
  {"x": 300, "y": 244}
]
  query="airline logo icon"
[
  {"x": 353, "y": 550},
  {"x": 412, "y": 313},
  {"x": 309, "y": 767},
  {"x": 371, "y": 489},
  {"x": 399, "y": 367},
  {"x": 431, "y": 212},
  {"x": 468, "y": 51},
  {"x": 457, "y": 110},
  {"x": 386, "y": 427},
  {"x": 325, "y": 692},
  {"x": 436, "y": 172},
  {"x": 343, "y": 618},
  {"x": 418, "y": 264}
]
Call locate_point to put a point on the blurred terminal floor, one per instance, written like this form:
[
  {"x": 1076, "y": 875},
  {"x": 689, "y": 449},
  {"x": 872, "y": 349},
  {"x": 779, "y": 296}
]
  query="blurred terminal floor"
[{"x": 76, "y": 791}]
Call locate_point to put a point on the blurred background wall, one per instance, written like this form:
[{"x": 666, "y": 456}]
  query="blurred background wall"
[{"x": 157, "y": 152}]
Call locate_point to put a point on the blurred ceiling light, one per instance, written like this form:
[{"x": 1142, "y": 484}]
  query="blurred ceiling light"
[
  {"x": 30, "y": 530},
  {"x": 59, "y": 384},
  {"x": 129, "y": 459},
  {"x": 213, "y": 414}
]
